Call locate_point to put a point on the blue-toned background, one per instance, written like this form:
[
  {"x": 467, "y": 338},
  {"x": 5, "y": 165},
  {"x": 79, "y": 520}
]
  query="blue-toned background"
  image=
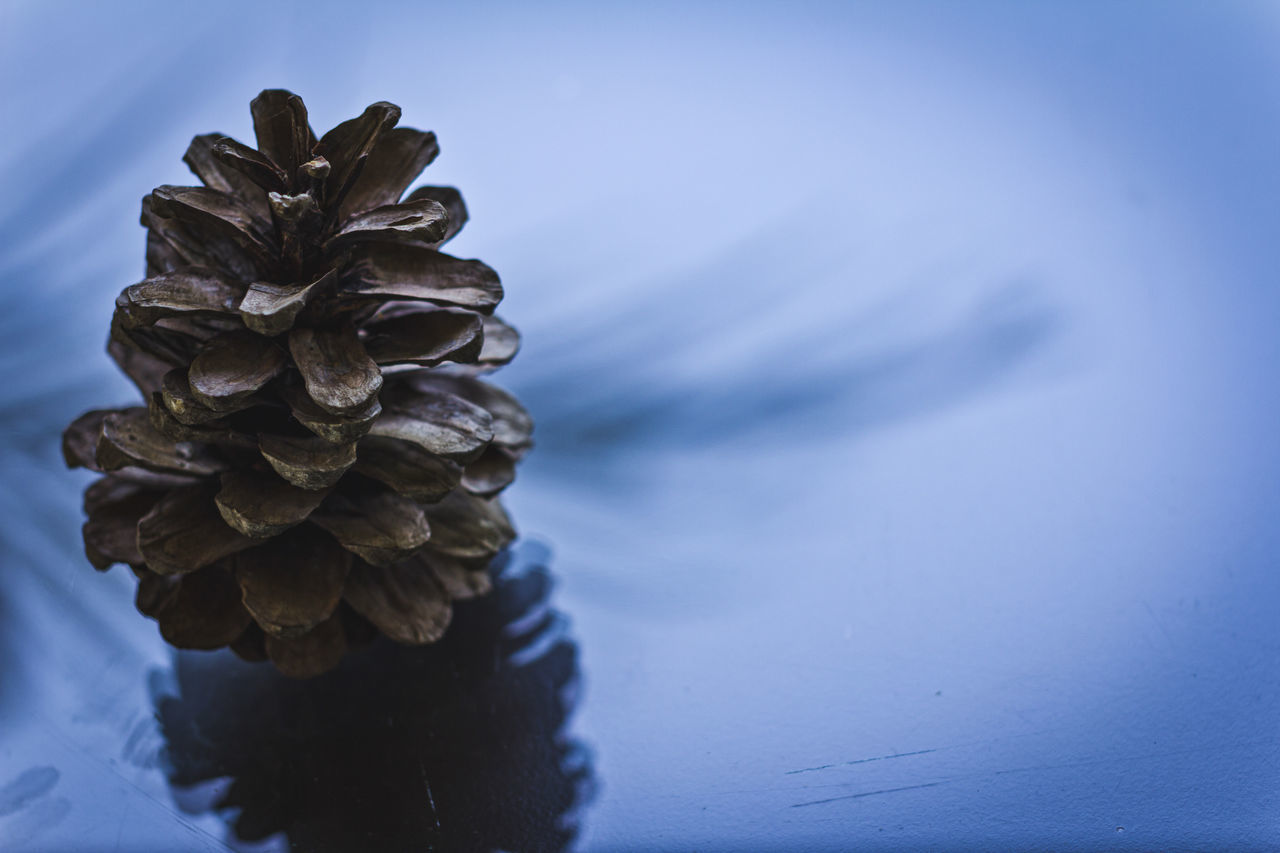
[{"x": 906, "y": 379}]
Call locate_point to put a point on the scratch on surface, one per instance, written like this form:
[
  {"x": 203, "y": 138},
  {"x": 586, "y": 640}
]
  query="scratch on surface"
[
  {"x": 435, "y": 814},
  {"x": 86, "y": 753},
  {"x": 868, "y": 794},
  {"x": 860, "y": 761}
]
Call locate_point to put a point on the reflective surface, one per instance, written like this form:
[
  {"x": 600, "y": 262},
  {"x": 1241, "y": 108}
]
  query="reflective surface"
[{"x": 905, "y": 382}]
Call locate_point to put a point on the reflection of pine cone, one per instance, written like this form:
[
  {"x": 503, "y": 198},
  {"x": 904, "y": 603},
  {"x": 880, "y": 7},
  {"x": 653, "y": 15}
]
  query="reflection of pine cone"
[
  {"x": 460, "y": 745},
  {"x": 276, "y": 471}
]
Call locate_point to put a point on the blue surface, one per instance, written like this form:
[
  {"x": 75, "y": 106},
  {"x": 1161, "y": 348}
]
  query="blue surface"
[{"x": 906, "y": 379}]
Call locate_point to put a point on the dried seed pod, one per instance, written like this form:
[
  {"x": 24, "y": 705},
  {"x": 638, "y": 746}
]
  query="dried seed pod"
[{"x": 275, "y": 470}]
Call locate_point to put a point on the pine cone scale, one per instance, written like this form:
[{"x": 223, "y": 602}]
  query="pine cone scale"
[
  {"x": 231, "y": 368},
  {"x": 312, "y": 653},
  {"x": 308, "y": 462},
  {"x": 111, "y": 533},
  {"x": 407, "y": 604},
  {"x": 254, "y": 165},
  {"x": 423, "y": 222},
  {"x": 408, "y": 468},
  {"x": 270, "y": 309},
  {"x": 336, "y": 429},
  {"x": 395, "y": 160},
  {"x": 347, "y": 146},
  {"x": 292, "y": 583},
  {"x": 219, "y": 216},
  {"x": 127, "y": 439},
  {"x": 339, "y": 375},
  {"x": 281, "y": 128},
  {"x": 261, "y": 505},
  {"x": 179, "y": 401},
  {"x": 193, "y": 291},
  {"x": 184, "y": 532},
  {"x": 442, "y": 424},
  {"x": 202, "y": 611},
  {"x": 400, "y": 271},
  {"x": 376, "y": 524},
  {"x": 218, "y": 175}
]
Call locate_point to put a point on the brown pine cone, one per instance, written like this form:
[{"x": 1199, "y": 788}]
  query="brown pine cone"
[{"x": 316, "y": 454}]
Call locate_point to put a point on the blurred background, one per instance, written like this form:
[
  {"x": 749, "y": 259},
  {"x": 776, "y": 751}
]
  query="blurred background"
[{"x": 905, "y": 377}]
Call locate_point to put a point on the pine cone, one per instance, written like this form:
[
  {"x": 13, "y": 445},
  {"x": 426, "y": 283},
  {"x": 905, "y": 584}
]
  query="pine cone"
[{"x": 316, "y": 451}]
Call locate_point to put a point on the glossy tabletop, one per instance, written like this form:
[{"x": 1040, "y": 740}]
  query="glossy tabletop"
[{"x": 907, "y": 464}]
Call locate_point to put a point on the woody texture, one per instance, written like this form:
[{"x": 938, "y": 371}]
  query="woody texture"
[{"x": 316, "y": 458}]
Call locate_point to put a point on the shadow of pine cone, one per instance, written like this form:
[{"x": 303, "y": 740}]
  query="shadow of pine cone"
[{"x": 458, "y": 745}]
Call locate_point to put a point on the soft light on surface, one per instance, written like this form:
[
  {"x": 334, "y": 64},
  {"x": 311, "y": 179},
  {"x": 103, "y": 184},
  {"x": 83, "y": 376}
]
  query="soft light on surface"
[{"x": 905, "y": 377}]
